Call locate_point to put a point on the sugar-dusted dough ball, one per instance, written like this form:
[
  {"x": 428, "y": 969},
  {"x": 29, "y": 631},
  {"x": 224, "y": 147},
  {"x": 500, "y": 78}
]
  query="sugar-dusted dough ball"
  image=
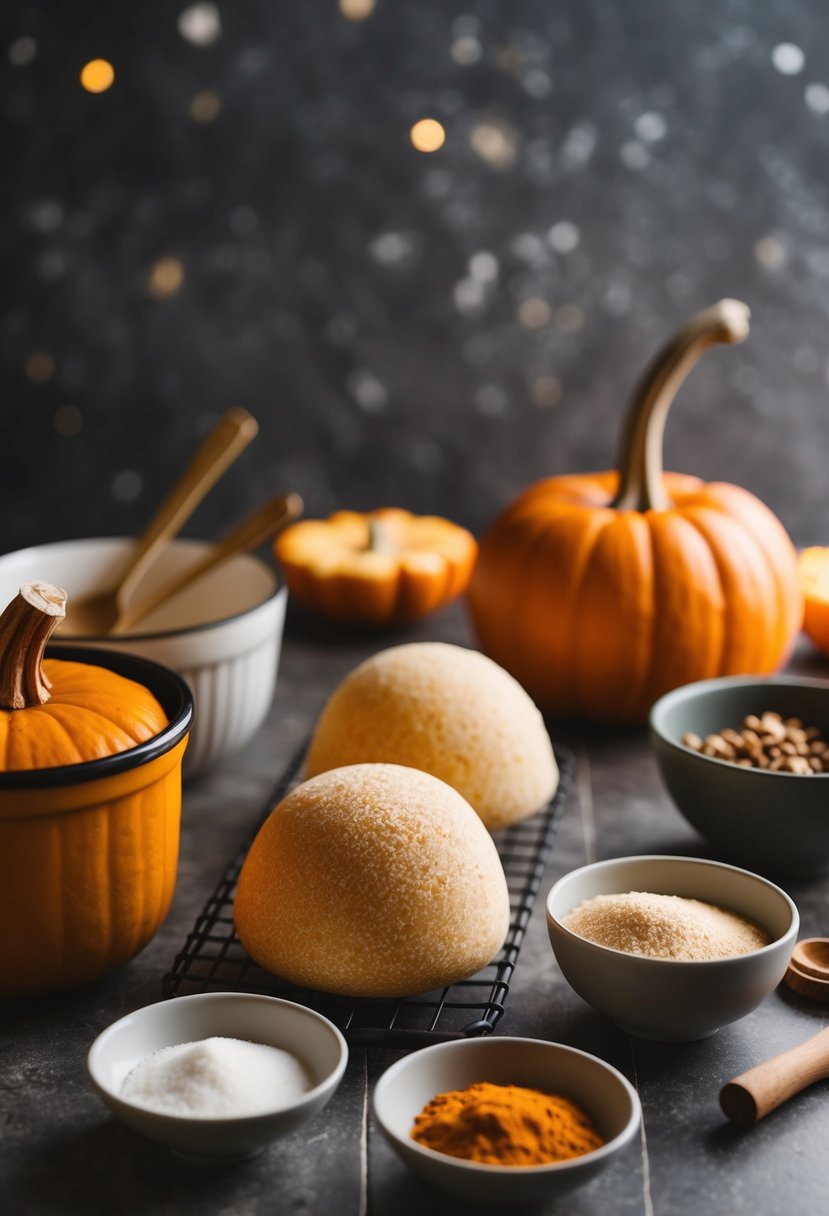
[
  {"x": 374, "y": 880},
  {"x": 451, "y": 712}
]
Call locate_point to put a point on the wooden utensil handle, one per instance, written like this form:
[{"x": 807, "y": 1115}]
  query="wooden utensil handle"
[
  {"x": 225, "y": 442},
  {"x": 752, "y": 1095},
  {"x": 251, "y": 533}
]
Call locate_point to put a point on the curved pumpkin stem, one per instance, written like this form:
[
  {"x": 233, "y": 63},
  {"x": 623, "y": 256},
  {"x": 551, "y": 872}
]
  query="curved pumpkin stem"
[
  {"x": 25, "y": 627},
  {"x": 641, "y": 486},
  {"x": 378, "y": 537}
]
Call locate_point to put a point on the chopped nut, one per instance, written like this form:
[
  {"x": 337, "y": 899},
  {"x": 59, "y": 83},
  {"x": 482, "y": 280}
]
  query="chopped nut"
[
  {"x": 767, "y": 741},
  {"x": 796, "y": 764},
  {"x": 733, "y": 737}
]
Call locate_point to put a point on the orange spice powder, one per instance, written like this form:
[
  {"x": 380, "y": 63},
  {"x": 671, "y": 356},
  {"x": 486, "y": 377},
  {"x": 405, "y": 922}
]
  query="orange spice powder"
[{"x": 505, "y": 1125}]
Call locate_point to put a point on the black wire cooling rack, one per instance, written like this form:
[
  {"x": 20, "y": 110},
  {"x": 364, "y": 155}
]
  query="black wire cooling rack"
[{"x": 214, "y": 960}]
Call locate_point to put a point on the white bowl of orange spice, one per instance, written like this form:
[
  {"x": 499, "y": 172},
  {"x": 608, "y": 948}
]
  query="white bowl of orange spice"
[
  {"x": 671, "y": 948},
  {"x": 503, "y": 1120}
]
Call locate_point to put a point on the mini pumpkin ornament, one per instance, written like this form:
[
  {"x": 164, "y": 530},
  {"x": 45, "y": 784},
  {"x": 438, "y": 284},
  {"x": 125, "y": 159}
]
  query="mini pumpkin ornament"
[
  {"x": 601, "y": 591},
  {"x": 378, "y": 569},
  {"x": 54, "y": 712}
]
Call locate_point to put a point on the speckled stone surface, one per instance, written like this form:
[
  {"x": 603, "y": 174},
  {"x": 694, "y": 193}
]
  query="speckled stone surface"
[{"x": 242, "y": 219}]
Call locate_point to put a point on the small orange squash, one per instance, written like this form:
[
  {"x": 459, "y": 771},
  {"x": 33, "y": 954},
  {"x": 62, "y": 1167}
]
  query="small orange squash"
[
  {"x": 601, "y": 591},
  {"x": 377, "y": 569},
  {"x": 90, "y": 802},
  {"x": 53, "y": 712},
  {"x": 813, "y": 568}
]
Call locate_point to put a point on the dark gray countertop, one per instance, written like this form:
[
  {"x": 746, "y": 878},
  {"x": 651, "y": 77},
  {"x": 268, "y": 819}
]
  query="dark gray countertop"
[{"x": 61, "y": 1152}]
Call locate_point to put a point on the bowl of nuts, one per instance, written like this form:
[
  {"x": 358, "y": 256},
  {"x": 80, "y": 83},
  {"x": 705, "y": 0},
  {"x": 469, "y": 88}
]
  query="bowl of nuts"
[{"x": 746, "y": 760}]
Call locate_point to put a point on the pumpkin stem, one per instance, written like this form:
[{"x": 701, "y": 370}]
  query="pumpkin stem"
[
  {"x": 378, "y": 537},
  {"x": 25, "y": 626},
  {"x": 641, "y": 487}
]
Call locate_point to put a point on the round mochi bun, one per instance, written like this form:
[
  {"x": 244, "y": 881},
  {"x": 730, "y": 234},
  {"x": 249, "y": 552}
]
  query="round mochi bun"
[
  {"x": 374, "y": 880},
  {"x": 451, "y": 712}
]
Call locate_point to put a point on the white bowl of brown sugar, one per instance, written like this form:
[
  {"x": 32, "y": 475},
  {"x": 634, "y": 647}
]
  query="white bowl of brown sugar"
[{"x": 671, "y": 948}]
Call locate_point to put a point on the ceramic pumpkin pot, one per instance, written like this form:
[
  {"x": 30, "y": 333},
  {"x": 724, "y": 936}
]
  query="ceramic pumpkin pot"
[
  {"x": 90, "y": 800},
  {"x": 600, "y": 592},
  {"x": 377, "y": 569}
]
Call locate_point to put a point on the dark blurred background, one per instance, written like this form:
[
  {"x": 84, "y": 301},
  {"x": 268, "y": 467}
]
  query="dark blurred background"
[{"x": 242, "y": 218}]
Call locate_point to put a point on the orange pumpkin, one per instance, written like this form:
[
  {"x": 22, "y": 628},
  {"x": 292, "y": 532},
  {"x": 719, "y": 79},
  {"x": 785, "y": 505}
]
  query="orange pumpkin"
[
  {"x": 90, "y": 800},
  {"x": 377, "y": 569},
  {"x": 601, "y": 591},
  {"x": 53, "y": 712},
  {"x": 813, "y": 568}
]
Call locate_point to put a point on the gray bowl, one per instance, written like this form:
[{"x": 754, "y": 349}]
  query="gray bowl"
[
  {"x": 777, "y": 821},
  {"x": 671, "y": 1000}
]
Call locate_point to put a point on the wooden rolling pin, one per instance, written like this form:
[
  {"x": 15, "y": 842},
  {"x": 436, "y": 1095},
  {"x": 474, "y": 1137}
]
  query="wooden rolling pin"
[{"x": 752, "y": 1095}]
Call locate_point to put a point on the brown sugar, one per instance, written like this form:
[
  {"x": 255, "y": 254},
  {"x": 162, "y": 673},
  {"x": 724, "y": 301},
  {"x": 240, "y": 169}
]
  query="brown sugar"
[{"x": 664, "y": 926}]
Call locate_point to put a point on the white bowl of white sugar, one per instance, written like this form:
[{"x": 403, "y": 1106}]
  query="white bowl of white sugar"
[
  {"x": 671, "y": 948},
  {"x": 217, "y": 1076}
]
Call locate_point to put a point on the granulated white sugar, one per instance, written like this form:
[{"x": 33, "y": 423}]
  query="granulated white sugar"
[
  {"x": 217, "y": 1077},
  {"x": 664, "y": 926}
]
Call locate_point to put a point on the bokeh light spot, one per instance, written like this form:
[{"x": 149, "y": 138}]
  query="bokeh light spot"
[
  {"x": 166, "y": 277},
  {"x": 546, "y": 392},
  {"x": 200, "y": 24},
  {"x": 817, "y": 98},
  {"x": 68, "y": 421},
  {"x": 495, "y": 143},
  {"x": 97, "y": 76},
  {"x": 22, "y": 51},
  {"x": 126, "y": 486},
  {"x": 770, "y": 252},
  {"x": 570, "y": 318},
  {"x": 427, "y": 135},
  {"x": 788, "y": 59},
  {"x": 40, "y": 367},
  {"x": 205, "y": 107},
  {"x": 357, "y": 10},
  {"x": 534, "y": 313}
]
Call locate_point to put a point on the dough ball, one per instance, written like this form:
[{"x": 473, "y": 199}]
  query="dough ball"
[
  {"x": 374, "y": 880},
  {"x": 451, "y": 712}
]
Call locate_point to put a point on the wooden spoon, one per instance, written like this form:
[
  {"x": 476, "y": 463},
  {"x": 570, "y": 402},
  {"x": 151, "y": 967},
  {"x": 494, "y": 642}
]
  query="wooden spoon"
[
  {"x": 808, "y": 970},
  {"x": 96, "y": 614},
  {"x": 752, "y": 1095},
  {"x": 251, "y": 533}
]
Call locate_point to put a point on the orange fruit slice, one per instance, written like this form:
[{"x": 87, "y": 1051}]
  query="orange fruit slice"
[{"x": 813, "y": 571}]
